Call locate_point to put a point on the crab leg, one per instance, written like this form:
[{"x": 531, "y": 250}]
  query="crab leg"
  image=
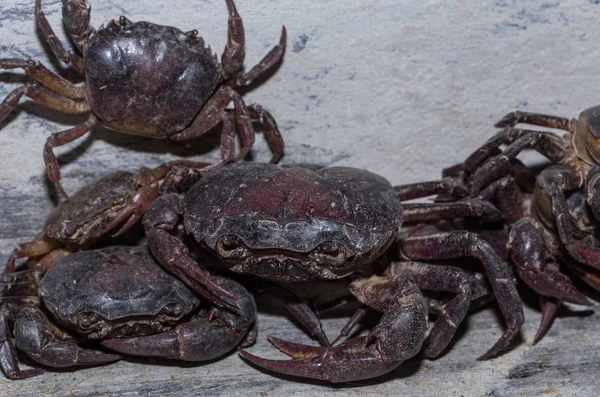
[
  {"x": 170, "y": 251},
  {"x": 461, "y": 243},
  {"x": 44, "y": 96},
  {"x": 46, "y": 344},
  {"x": 513, "y": 118},
  {"x": 203, "y": 338},
  {"x": 233, "y": 56},
  {"x": 42, "y": 75},
  {"x": 545, "y": 143},
  {"x": 440, "y": 278},
  {"x": 446, "y": 186},
  {"x": 269, "y": 128},
  {"x": 269, "y": 60},
  {"x": 213, "y": 113},
  {"x": 73, "y": 60},
  {"x": 397, "y": 337},
  {"x": 433, "y": 212},
  {"x": 59, "y": 139}
]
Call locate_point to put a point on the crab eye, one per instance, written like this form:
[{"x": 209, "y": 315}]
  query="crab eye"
[
  {"x": 228, "y": 244},
  {"x": 173, "y": 310},
  {"x": 87, "y": 319},
  {"x": 332, "y": 250}
]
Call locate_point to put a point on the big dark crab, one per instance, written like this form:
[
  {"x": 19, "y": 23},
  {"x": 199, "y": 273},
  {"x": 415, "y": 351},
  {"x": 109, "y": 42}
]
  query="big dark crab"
[
  {"x": 147, "y": 79},
  {"x": 120, "y": 297},
  {"x": 305, "y": 222}
]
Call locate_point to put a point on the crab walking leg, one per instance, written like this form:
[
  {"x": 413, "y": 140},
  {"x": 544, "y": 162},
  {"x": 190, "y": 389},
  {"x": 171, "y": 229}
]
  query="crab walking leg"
[
  {"x": 42, "y": 75},
  {"x": 269, "y": 128},
  {"x": 462, "y": 243},
  {"x": 8, "y": 355},
  {"x": 59, "y": 139},
  {"x": 73, "y": 60},
  {"x": 547, "y": 144},
  {"x": 43, "y": 96},
  {"x": 269, "y": 60},
  {"x": 160, "y": 223},
  {"x": 40, "y": 245},
  {"x": 234, "y": 54},
  {"x": 43, "y": 342},
  {"x": 544, "y": 120},
  {"x": 582, "y": 253},
  {"x": 76, "y": 18},
  {"x": 205, "y": 337},
  {"x": 397, "y": 337},
  {"x": 433, "y": 212},
  {"x": 444, "y": 279},
  {"x": 301, "y": 311},
  {"x": 213, "y": 113},
  {"x": 447, "y": 186}
]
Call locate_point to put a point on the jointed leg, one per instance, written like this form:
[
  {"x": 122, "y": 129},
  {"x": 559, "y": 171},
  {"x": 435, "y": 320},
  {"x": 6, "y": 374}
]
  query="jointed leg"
[
  {"x": 233, "y": 56},
  {"x": 547, "y": 144},
  {"x": 59, "y": 139},
  {"x": 269, "y": 128},
  {"x": 439, "y": 278},
  {"x": 544, "y": 120},
  {"x": 42, "y": 75},
  {"x": 462, "y": 243},
  {"x": 73, "y": 60},
  {"x": 271, "y": 59}
]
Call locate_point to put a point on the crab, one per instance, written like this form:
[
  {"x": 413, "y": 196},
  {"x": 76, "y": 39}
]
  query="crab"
[
  {"x": 120, "y": 297},
  {"x": 118, "y": 198},
  {"x": 147, "y": 79},
  {"x": 559, "y": 219},
  {"x": 300, "y": 223}
]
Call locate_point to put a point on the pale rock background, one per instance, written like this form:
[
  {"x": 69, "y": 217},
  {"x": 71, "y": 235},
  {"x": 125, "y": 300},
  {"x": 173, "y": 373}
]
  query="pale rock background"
[{"x": 402, "y": 88}]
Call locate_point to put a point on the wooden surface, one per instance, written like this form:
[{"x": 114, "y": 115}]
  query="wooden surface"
[{"x": 400, "y": 88}]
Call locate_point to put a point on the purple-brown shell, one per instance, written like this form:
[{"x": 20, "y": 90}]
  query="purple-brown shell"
[
  {"x": 85, "y": 215},
  {"x": 148, "y": 79},
  {"x": 296, "y": 222},
  {"x": 115, "y": 292}
]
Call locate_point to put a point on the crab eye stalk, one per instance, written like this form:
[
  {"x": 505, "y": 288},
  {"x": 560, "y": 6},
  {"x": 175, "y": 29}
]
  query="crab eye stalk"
[
  {"x": 192, "y": 34},
  {"x": 228, "y": 246},
  {"x": 123, "y": 21}
]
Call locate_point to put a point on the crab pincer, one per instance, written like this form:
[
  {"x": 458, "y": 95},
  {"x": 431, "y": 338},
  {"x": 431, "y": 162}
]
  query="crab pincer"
[{"x": 397, "y": 337}]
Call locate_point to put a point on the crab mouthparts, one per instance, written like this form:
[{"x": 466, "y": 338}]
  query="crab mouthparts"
[{"x": 280, "y": 267}]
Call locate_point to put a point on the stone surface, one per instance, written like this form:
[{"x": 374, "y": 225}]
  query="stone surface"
[{"x": 400, "y": 88}]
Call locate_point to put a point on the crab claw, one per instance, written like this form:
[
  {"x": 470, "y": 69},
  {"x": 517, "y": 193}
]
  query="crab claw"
[
  {"x": 205, "y": 337},
  {"x": 397, "y": 337}
]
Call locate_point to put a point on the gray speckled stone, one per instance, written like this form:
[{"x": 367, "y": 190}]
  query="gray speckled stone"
[{"x": 402, "y": 88}]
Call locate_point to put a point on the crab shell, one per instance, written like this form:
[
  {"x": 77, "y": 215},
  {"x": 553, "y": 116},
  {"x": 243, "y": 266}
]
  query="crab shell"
[
  {"x": 293, "y": 223},
  {"x": 85, "y": 215},
  {"x": 114, "y": 292},
  {"x": 148, "y": 79}
]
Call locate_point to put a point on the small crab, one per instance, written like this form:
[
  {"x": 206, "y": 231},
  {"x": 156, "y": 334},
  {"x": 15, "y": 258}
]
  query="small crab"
[
  {"x": 147, "y": 79},
  {"x": 120, "y": 197},
  {"x": 122, "y": 298},
  {"x": 306, "y": 222}
]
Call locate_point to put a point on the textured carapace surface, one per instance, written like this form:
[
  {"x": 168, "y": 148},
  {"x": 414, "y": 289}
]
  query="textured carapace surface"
[
  {"x": 294, "y": 222},
  {"x": 115, "y": 292},
  {"x": 85, "y": 215},
  {"x": 148, "y": 79}
]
